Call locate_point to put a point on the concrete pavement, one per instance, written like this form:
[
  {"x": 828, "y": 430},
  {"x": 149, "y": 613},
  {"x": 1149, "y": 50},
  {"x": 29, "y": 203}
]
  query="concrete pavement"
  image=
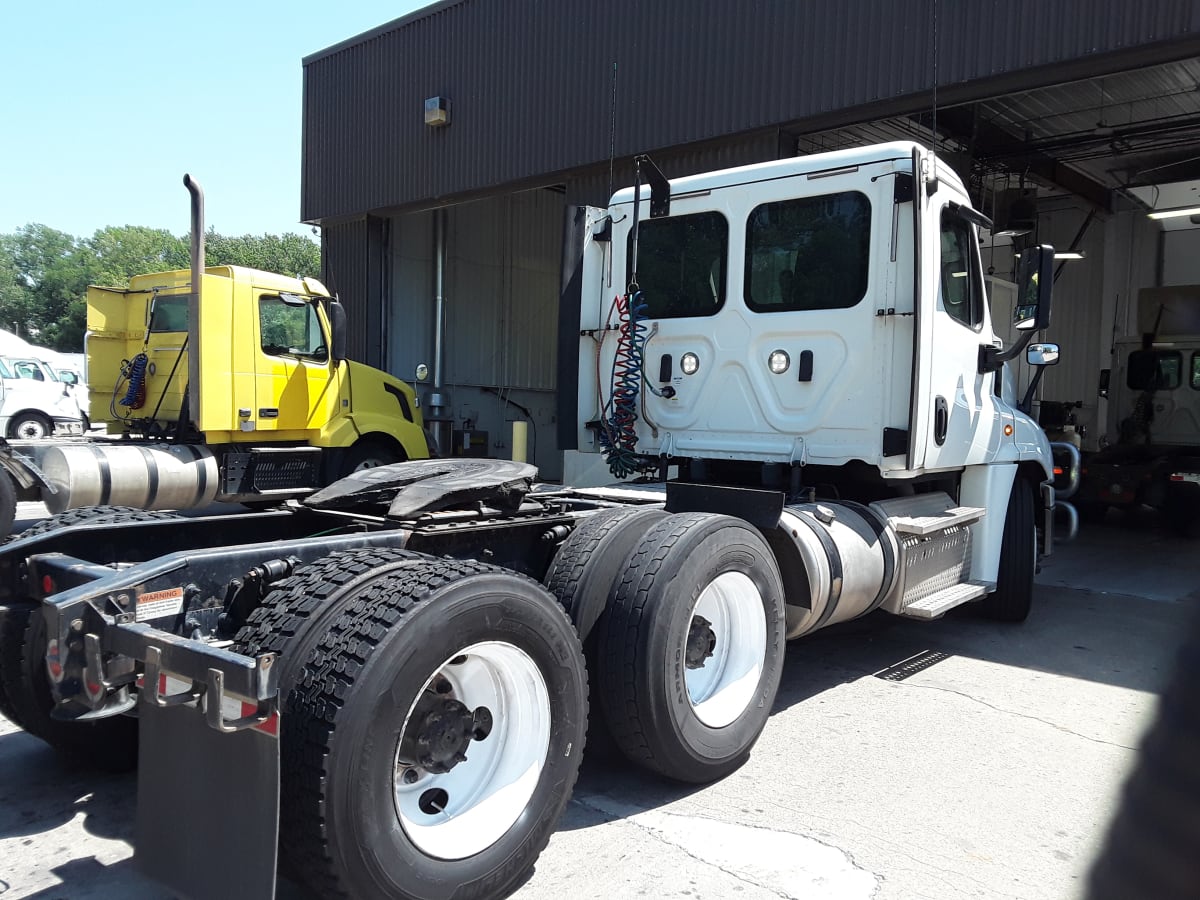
[{"x": 904, "y": 760}]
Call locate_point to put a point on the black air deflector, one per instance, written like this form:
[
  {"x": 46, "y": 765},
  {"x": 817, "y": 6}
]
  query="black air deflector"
[{"x": 758, "y": 507}]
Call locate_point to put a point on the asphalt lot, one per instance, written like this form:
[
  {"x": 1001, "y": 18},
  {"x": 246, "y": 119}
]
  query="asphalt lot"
[{"x": 989, "y": 770}]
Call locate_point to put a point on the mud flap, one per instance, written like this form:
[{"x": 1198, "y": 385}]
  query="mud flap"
[{"x": 208, "y": 804}]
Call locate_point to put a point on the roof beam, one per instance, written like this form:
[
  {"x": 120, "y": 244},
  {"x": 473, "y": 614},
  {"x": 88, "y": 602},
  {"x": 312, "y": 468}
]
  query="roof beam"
[{"x": 988, "y": 142}]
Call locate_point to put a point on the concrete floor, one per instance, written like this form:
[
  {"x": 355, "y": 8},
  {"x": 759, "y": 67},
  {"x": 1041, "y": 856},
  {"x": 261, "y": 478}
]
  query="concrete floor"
[{"x": 990, "y": 772}]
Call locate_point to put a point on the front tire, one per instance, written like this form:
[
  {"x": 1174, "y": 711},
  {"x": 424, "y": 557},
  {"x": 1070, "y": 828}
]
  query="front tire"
[
  {"x": 431, "y": 750},
  {"x": 369, "y": 455},
  {"x": 691, "y": 653},
  {"x": 30, "y": 426},
  {"x": 1013, "y": 597}
]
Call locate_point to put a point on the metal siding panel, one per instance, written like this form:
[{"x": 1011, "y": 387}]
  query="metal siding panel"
[
  {"x": 342, "y": 271},
  {"x": 530, "y": 80},
  {"x": 410, "y": 305}
]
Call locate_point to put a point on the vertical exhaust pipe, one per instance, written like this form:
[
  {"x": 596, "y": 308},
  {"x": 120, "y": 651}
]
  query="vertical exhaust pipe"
[{"x": 197, "y": 254}]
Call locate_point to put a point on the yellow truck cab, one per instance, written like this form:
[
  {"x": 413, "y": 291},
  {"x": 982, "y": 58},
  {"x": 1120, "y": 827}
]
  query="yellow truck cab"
[{"x": 276, "y": 409}]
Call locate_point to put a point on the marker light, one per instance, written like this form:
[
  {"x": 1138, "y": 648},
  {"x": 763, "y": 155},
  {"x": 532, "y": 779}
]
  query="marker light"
[
  {"x": 689, "y": 363},
  {"x": 778, "y": 362}
]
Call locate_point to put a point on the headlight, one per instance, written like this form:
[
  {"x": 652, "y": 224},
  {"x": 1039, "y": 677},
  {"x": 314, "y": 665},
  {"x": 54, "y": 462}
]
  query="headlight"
[
  {"x": 689, "y": 363},
  {"x": 778, "y": 362}
]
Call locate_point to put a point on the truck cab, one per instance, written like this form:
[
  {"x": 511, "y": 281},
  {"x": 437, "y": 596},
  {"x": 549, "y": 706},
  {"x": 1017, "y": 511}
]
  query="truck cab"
[
  {"x": 817, "y": 326},
  {"x": 267, "y": 368}
]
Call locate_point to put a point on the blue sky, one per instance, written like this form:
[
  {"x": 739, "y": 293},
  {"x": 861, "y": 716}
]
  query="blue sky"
[{"x": 96, "y": 99}]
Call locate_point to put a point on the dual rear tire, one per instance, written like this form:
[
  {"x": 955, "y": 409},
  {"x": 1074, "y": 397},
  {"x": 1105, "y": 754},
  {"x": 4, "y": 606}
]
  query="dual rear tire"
[
  {"x": 434, "y": 715},
  {"x": 687, "y": 649}
]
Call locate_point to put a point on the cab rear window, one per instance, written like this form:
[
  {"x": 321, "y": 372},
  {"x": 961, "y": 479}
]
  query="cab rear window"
[{"x": 1155, "y": 370}]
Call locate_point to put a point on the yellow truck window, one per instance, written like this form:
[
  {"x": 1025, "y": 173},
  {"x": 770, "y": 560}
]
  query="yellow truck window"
[
  {"x": 169, "y": 313},
  {"x": 288, "y": 326}
]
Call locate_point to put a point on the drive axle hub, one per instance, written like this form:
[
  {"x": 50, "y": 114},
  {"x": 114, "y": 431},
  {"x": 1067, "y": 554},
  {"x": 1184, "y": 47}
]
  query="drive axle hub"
[
  {"x": 701, "y": 642},
  {"x": 440, "y": 732}
]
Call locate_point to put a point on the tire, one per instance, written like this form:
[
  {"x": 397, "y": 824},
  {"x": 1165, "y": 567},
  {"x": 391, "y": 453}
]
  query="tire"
[
  {"x": 291, "y": 616},
  {"x": 1013, "y": 597},
  {"x": 355, "y": 825},
  {"x": 587, "y": 563},
  {"x": 13, "y": 620},
  {"x": 8, "y": 504},
  {"x": 369, "y": 455},
  {"x": 95, "y": 515},
  {"x": 109, "y": 743},
  {"x": 693, "y": 713},
  {"x": 30, "y": 426},
  {"x": 581, "y": 577}
]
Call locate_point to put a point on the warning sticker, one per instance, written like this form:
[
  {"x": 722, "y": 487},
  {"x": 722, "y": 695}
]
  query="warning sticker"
[{"x": 156, "y": 604}]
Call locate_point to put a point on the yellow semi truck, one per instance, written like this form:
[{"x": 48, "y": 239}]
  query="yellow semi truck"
[{"x": 225, "y": 383}]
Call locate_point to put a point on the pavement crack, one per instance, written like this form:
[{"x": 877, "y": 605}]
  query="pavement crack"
[
  {"x": 1013, "y": 712},
  {"x": 659, "y": 835}
]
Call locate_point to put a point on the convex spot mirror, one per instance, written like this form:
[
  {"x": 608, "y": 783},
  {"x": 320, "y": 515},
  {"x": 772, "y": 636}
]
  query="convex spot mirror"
[
  {"x": 422, "y": 372},
  {"x": 1035, "y": 277},
  {"x": 1042, "y": 354}
]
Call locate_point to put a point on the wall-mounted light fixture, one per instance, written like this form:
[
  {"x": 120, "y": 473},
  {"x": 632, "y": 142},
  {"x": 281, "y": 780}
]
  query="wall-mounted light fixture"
[{"x": 437, "y": 112}]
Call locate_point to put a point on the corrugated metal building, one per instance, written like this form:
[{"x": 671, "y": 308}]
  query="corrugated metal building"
[{"x": 1084, "y": 101}]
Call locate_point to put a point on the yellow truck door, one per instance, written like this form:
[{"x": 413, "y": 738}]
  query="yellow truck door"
[{"x": 296, "y": 385}]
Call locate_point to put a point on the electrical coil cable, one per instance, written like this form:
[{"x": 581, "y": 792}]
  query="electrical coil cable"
[
  {"x": 134, "y": 371},
  {"x": 618, "y": 434}
]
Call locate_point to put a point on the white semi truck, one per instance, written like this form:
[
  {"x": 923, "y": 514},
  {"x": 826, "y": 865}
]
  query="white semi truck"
[{"x": 793, "y": 367}]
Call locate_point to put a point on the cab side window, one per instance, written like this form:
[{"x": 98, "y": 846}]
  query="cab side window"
[
  {"x": 960, "y": 284},
  {"x": 288, "y": 326}
]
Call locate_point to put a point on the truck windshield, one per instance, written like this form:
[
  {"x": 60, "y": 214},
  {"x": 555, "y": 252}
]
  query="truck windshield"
[
  {"x": 287, "y": 329},
  {"x": 681, "y": 264},
  {"x": 808, "y": 253}
]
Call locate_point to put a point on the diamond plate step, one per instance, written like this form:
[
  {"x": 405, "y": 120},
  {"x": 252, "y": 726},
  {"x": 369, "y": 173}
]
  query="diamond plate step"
[
  {"x": 921, "y": 525},
  {"x": 941, "y": 602},
  {"x": 925, "y": 513}
]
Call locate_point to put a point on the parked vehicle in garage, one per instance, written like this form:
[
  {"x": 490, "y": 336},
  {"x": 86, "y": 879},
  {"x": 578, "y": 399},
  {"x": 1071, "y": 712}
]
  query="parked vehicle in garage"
[
  {"x": 387, "y": 680},
  {"x": 1155, "y": 393}
]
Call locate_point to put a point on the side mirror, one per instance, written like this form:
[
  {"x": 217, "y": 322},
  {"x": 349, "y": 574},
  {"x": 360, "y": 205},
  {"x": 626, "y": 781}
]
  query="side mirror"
[
  {"x": 1035, "y": 277},
  {"x": 68, "y": 378},
  {"x": 1042, "y": 354},
  {"x": 338, "y": 324}
]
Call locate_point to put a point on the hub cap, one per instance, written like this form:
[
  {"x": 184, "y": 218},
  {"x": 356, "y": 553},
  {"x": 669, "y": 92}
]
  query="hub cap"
[
  {"x": 726, "y": 649},
  {"x": 471, "y": 751}
]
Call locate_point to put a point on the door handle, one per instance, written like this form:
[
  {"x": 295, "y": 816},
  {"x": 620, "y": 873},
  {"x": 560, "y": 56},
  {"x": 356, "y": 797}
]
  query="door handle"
[{"x": 941, "y": 420}]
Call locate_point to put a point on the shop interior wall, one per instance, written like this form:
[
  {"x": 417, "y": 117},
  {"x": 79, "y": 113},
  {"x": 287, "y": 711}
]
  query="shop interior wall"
[
  {"x": 501, "y": 297},
  {"x": 1094, "y": 299}
]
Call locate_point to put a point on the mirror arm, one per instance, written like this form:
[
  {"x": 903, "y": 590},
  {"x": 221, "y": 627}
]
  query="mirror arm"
[
  {"x": 992, "y": 359},
  {"x": 1027, "y": 401}
]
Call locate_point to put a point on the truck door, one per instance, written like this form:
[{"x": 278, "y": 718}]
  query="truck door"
[
  {"x": 955, "y": 424},
  {"x": 294, "y": 385}
]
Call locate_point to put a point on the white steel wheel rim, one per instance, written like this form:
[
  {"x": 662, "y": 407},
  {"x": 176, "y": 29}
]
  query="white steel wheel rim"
[
  {"x": 727, "y": 681},
  {"x": 486, "y": 794},
  {"x": 31, "y": 429}
]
